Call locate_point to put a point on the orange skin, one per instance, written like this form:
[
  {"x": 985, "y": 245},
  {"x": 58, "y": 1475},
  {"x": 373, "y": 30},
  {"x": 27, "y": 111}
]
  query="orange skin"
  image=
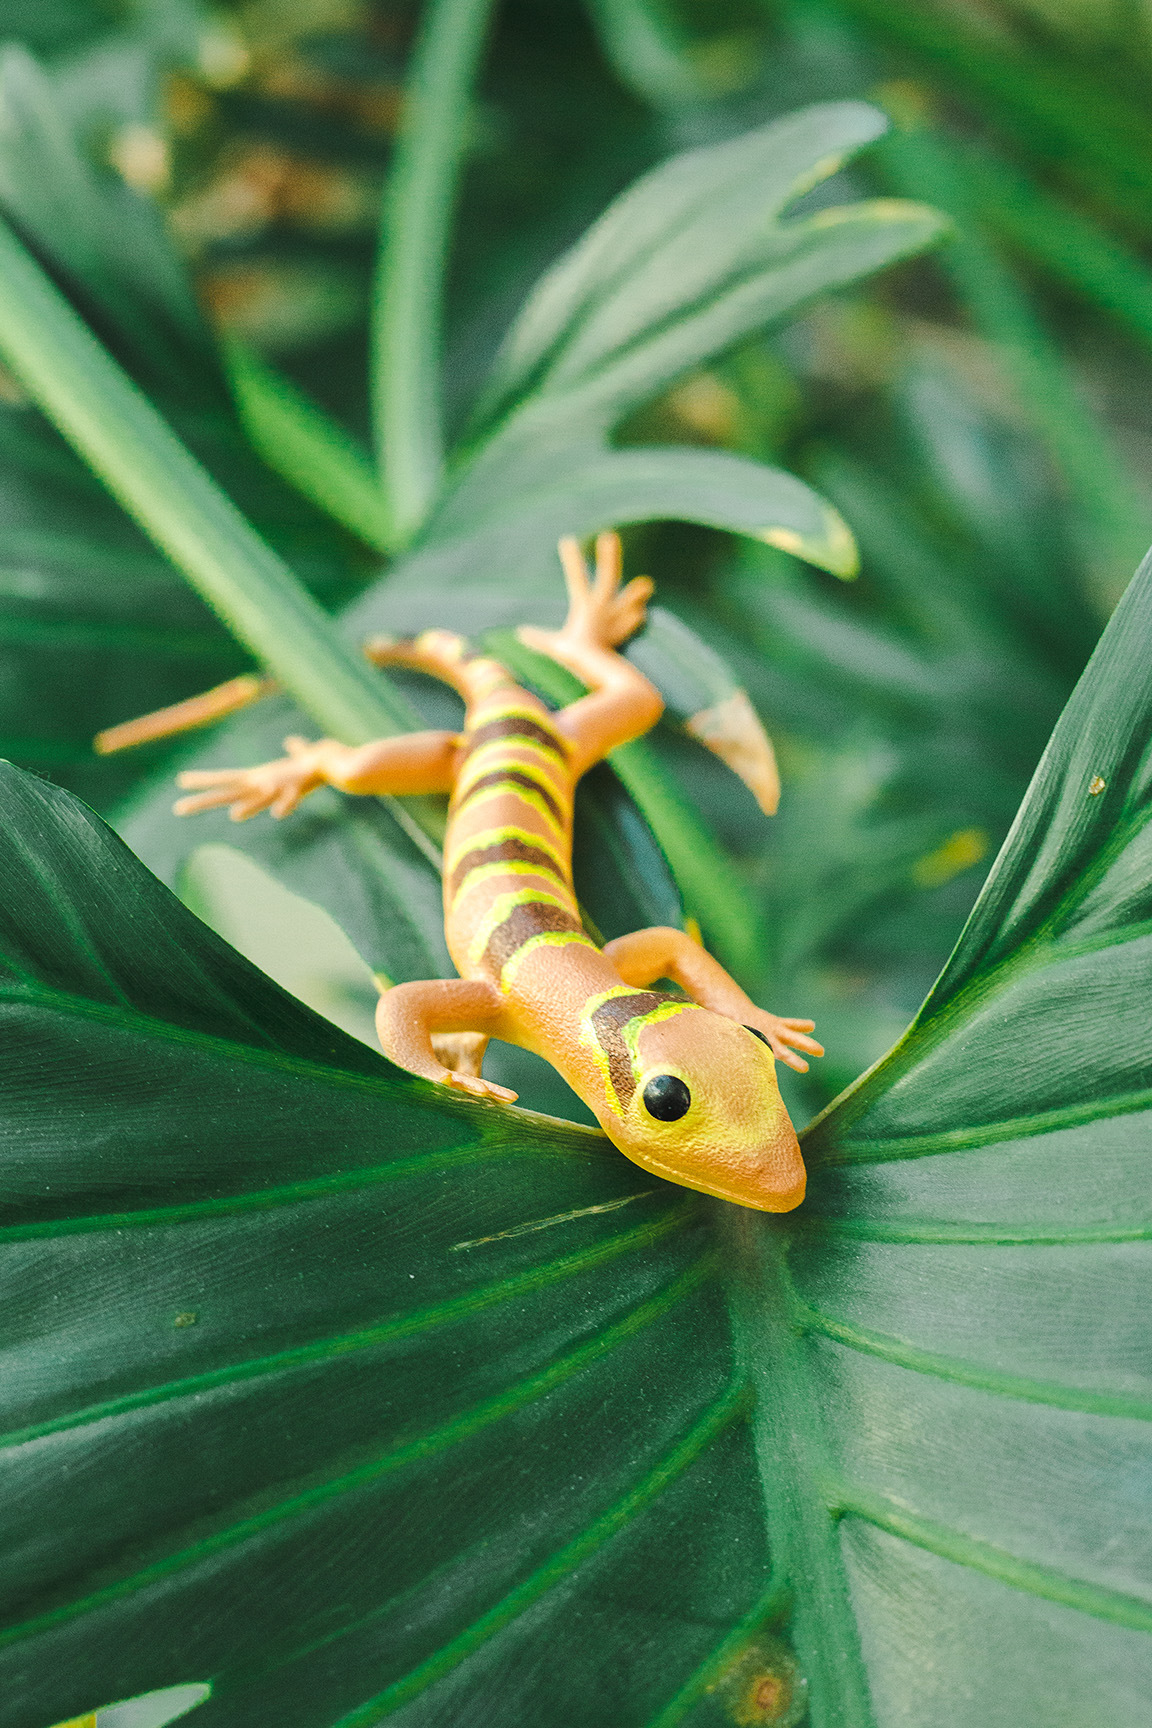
[{"x": 529, "y": 974}]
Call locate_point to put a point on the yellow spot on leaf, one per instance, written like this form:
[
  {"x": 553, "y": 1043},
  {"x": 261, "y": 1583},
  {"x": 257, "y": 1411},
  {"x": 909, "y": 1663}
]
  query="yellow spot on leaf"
[
  {"x": 140, "y": 155},
  {"x": 958, "y": 853},
  {"x": 833, "y": 549},
  {"x": 707, "y": 407},
  {"x": 1096, "y": 786},
  {"x": 907, "y": 104}
]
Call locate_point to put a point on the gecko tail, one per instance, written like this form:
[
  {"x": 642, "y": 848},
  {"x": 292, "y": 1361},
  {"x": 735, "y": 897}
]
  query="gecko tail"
[
  {"x": 445, "y": 656},
  {"x": 203, "y": 710},
  {"x": 439, "y": 653}
]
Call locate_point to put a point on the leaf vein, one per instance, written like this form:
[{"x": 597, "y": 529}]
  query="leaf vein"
[
  {"x": 1028, "y": 1576},
  {"x": 727, "y": 1409},
  {"x": 414, "y": 1451}
]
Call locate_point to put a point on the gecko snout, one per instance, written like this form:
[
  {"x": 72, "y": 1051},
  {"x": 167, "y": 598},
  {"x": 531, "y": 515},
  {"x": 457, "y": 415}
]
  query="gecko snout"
[{"x": 707, "y": 1113}]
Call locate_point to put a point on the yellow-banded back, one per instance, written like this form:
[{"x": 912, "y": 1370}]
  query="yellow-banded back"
[{"x": 510, "y": 820}]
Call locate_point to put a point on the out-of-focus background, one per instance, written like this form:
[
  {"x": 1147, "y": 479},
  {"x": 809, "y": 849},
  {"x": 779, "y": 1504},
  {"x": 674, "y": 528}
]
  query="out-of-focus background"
[{"x": 980, "y": 416}]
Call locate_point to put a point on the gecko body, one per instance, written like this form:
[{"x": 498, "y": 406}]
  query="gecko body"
[{"x": 684, "y": 1084}]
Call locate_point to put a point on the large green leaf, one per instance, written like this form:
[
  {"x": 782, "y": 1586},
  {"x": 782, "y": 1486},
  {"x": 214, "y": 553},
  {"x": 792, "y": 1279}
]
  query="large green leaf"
[
  {"x": 387, "y": 1457},
  {"x": 419, "y": 1400},
  {"x": 950, "y": 1336}
]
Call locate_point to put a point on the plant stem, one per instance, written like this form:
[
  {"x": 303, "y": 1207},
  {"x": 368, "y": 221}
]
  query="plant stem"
[
  {"x": 178, "y": 504},
  {"x": 419, "y": 199}
]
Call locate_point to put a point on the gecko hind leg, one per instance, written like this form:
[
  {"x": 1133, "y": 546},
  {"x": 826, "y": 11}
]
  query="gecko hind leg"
[{"x": 622, "y": 704}]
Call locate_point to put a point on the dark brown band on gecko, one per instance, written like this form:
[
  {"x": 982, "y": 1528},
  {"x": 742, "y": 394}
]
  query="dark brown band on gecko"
[
  {"x": 533, "y": 918},
  {"x": 504, "y": 852},
  {"x": 515, "y": 726},
  {"x": 608, "y": 1022},
  {"x": 517, "y": 777}
]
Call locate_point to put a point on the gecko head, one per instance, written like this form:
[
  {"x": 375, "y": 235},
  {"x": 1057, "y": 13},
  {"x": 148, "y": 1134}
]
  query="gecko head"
[{"x": 706, "y": 1111}]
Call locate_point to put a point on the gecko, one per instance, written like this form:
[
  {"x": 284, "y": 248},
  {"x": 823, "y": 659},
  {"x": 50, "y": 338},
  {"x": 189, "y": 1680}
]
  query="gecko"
[{"x": 682, "y": 1083}]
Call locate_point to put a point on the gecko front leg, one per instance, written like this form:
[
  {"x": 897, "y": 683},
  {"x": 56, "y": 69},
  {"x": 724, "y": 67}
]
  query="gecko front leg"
[
  {"x": 412, "y": 1018},
  {"x": 646, "y": 955},
  {"x": 390, "y": 767}
]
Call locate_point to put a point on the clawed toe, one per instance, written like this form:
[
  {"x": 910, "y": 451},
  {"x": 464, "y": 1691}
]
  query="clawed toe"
[{"x": 479, "y": 1088}]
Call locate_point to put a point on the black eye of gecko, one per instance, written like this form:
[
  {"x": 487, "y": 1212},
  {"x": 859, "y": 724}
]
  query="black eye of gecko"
[
  {"x": 666, "y": 1098},
  {"x": 756, "y": 1034}
]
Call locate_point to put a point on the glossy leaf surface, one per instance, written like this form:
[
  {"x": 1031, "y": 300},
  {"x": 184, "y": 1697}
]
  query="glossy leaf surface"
[
  {"x": 406, "y": 1389},
  {"x": 951, "y": 1334},
  {"x": 538, "y": 1477}
]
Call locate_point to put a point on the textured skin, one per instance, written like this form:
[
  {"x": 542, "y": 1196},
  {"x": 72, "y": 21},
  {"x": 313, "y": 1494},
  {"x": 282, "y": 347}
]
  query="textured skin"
[{"x": 529, "y": 973}]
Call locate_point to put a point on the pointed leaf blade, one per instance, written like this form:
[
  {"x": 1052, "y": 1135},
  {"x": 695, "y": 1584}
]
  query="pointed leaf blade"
[{"x": 961, "y": 1405}]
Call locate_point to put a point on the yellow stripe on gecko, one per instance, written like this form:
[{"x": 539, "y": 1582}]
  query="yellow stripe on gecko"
[
  {"x": 521, "y": 753},
  {"x": 504, "y": 782},
  {"x": 507, "y": 834}
]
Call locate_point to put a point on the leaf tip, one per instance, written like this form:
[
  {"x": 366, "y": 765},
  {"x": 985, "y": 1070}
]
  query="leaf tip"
[
  {"x": 833, "y": 548},
  {"x": 731, "y": 729}
]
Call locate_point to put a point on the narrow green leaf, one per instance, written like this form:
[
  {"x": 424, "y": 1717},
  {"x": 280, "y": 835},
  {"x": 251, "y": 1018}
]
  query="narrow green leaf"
[
  {"x": 1067, "y": 244},
  {"x": 1097, "y": 135},
  {"x": 649, "y": 50},
  {"x": 419, "y": 201},
  {"x": 177, "y": 503},
  {"x": 573, "y": 486},
  {"x": 72, "y": 565},
  {"x": 692, "y": 257},
  {"x": 307, "y": 447}
]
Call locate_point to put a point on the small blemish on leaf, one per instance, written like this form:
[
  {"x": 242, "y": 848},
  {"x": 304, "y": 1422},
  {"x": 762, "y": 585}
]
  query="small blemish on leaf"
[
  {"x": 188, "y": 1318},
  {"x": 1096, "y": 786},
  {"x": 763, "y": 1686}
]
